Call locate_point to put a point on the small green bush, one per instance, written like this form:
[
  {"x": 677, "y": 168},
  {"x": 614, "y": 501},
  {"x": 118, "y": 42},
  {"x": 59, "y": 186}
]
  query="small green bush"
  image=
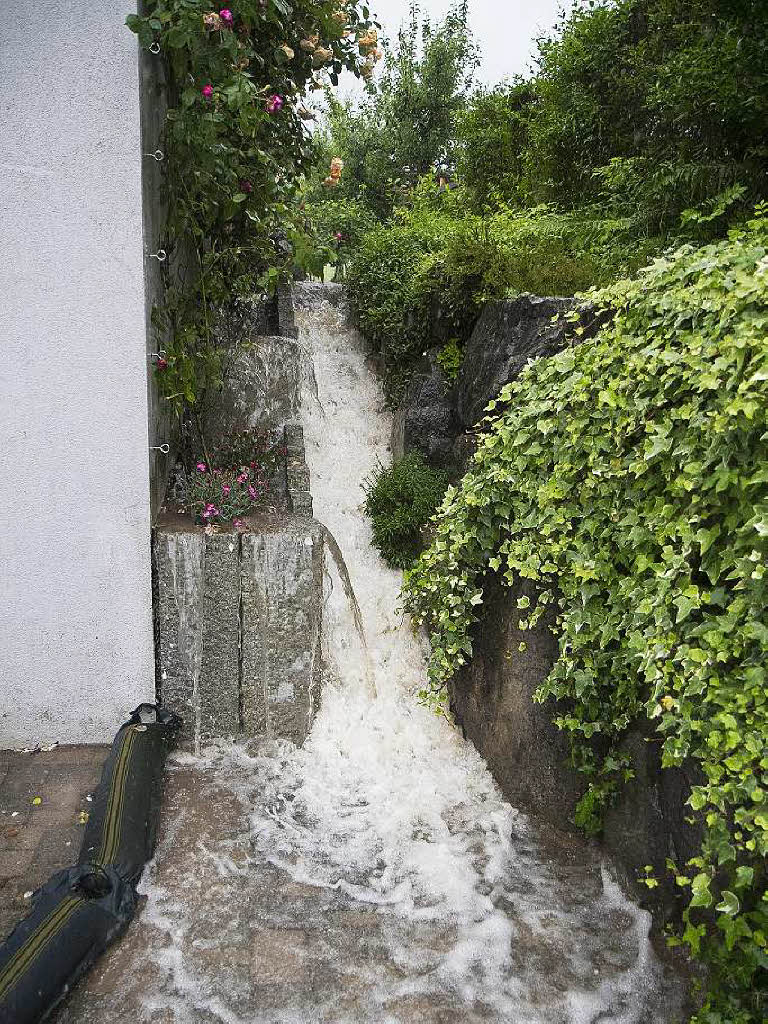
[
  {"x": 400, "y": 501},
  {"x": 450, "y": 358},
  {"x": 386, "y": 294},
  {"x": 441, "y": 256}
]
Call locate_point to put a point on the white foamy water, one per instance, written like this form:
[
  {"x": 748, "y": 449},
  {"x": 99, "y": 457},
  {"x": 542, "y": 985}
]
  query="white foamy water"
[
  {"x": 377, "y": 874},
  {"x": 391, "y": 807}
]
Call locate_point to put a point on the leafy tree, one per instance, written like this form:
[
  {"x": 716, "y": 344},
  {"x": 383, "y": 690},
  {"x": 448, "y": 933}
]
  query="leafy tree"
[
  {"x": 404, "y": 125},
  {"x": 675, "y": 91},
  {"x": 491, "y": 142}
]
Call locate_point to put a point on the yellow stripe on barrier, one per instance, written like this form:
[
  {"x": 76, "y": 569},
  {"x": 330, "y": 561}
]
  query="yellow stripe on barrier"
[
  {"x": 112, "y": 828},
  {"x": 36, "y": 942}
]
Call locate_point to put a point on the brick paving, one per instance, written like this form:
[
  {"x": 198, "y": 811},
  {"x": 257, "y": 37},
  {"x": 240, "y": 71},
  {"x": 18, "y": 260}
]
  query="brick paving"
[{"x": 38, "y": 839}]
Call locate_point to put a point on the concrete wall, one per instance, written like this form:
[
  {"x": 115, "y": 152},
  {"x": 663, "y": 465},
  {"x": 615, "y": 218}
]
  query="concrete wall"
[
  {"x": 75, "y": 591},
  {"x": 153, "y": 91}
]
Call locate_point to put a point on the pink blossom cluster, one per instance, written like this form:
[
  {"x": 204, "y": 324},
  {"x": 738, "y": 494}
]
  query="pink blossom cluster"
[{"x": 219, "y": 488}]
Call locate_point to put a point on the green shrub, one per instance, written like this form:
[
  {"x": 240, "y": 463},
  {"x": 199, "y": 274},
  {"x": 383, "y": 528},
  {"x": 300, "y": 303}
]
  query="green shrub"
[
  {"x": 339, "y": 227},
  {"x": 450, "y": 358},
  {"x": 400, "y": 501},
  {"x": 386, "y": 294},
  {"x": 627, "y": 477},
  {"x": 440, "y": 255}
]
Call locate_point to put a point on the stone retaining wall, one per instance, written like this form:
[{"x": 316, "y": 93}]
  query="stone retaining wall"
[{"x": 239, "y": 614}]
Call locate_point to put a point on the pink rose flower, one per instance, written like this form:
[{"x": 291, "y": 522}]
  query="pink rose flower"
[
  {"x": 162, "y": 364},
  {"x": 253, "y": 493},
  {"x": 226, "y": 16},
  {"x": 242, "y": 478},
  {"x": 225, "y": 490},
  {"x": 238, "y": 524},
  {"x": 207, "y": 91},
  {"x": 210, "y": 511},
  {"x": 275, "y": 104},
  {"x": 201, "y": 467}
]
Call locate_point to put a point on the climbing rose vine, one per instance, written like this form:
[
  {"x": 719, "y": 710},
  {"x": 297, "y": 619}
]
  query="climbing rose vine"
[
  {"x": 628, "y": 477},
  {"x": 235, "y": 150}
]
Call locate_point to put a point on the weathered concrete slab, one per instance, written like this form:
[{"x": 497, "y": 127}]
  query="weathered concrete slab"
[
  {"x": 296, "y": 470},
  {"x": 238, "y": 626},
  {"x": 219, "y": 686},
  {"x": 262, "y": 388},
  {"x": 179, "y": 558},
  {"x": 281, "y": 584}
]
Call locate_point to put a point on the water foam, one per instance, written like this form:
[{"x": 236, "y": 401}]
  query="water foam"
[{"x": 375, "y": 876}]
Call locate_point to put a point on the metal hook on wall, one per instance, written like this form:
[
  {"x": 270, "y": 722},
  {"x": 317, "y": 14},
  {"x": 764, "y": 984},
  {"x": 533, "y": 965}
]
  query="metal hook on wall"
[
  {"x": 154, "y": 47},
  {"x": 164, "y": 448},
  {"x": 157, "y": 155},
  {"x": 161, "y": 255}
]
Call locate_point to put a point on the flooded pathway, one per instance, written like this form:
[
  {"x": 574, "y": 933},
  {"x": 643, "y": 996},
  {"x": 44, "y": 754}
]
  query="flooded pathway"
[{"x": 375, "y": 875}]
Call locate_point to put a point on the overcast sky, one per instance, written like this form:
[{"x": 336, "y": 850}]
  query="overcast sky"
[{"x": 505, "y": 29}]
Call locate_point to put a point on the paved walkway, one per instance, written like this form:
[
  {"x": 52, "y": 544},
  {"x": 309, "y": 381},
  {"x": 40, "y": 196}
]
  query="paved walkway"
[
  {"x": 226, "y": 937},
  {"x": 37, "y": 839}
]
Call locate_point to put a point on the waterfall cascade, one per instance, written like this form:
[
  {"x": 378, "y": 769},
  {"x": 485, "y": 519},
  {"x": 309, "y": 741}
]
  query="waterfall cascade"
[{"x": 374, "y": 875}]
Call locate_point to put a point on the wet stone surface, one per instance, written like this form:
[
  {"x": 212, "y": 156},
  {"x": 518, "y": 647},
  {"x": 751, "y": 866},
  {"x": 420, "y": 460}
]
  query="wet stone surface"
[
  {"x": 227, "y": 935},
  {"x": 38, "y": 839}
]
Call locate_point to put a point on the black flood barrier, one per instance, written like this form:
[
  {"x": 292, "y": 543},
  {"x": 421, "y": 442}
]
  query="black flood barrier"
[
  {"x": 75, "y": 916},
  {"x": 122, "y": 826},
  {"x": 81, "y": 910}
]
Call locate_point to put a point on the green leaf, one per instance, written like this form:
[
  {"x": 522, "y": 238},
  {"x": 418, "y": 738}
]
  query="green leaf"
[{"x": 729, "y": 904}]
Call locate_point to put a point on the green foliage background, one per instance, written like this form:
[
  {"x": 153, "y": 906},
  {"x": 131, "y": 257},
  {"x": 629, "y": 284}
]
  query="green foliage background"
[{"x": 644, "y": 125}]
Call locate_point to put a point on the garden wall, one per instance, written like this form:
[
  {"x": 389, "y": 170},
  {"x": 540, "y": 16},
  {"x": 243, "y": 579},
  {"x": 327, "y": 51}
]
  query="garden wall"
[{"x": 238, "y": 616}]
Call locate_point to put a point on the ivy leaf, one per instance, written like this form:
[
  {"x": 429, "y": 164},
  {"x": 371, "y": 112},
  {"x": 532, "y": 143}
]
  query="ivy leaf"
[
  {"x": 729, "y": 904},
  {"x": 702, "y": 897}
]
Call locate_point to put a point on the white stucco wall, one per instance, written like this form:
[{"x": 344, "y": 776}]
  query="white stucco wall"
[{"x": 76, "y": 644}]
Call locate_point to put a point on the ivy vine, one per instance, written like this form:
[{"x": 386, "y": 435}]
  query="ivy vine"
[{"x": 628, "y": 477}]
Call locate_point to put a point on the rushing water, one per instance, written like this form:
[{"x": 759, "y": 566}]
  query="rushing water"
[{"x": 376, "y": 874}]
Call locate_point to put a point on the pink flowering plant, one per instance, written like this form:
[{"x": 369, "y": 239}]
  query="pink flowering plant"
[
  {"x": 236, "y": 151},
  {"x": 262, "y": 449},
  {"x": 236, "y": 480},
  {"x": 216, "y": 496}
]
